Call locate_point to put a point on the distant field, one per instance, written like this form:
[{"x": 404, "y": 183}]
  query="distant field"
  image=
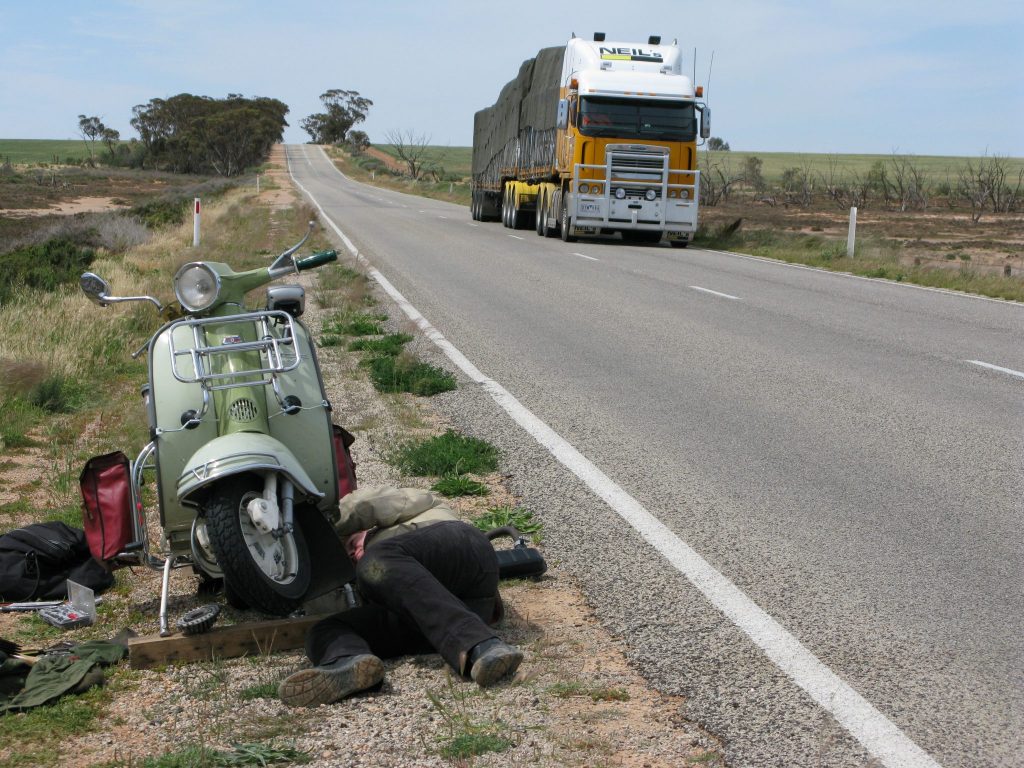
[
  {"x": 458, "y": 160},
  {"x": 936, "y": 168},
  {"x": 32, "y": 151}
]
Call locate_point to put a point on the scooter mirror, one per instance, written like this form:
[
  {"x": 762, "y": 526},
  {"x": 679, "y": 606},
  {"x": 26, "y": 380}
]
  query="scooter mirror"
[{"x": 95, "y": 287}]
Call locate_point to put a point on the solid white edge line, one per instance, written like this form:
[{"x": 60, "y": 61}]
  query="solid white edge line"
[
  {"x": 1008, "y": 371},
  {"x": 879, "y": 736},
  {"x": 515, "y": 237},
  {"x": 715, "y": 293},
  {"x": 584, "y": 256}
]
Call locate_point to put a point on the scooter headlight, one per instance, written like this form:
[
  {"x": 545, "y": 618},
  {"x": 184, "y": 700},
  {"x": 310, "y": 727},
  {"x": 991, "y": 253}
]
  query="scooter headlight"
[{"x": 196, "y": 286}]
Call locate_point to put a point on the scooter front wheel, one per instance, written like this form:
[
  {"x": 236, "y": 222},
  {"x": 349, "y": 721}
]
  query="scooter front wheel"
[{"x": 269, "y": 573}]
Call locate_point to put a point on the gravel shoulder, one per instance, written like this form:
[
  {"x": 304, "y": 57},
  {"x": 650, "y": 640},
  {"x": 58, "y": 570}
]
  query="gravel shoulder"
[{"x": 576, "y": 700}]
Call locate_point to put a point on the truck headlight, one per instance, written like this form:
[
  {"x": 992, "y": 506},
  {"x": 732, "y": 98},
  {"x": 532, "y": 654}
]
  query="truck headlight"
[
  {"x": 196, "y": 286},
  {"x": 651, "y": 194},
  {"x": 584, "y": 189},
  {"x": 620, "y": 193}
]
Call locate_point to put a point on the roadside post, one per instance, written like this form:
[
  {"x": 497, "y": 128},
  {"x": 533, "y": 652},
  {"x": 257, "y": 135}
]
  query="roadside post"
[
  {"x": 851, "y": 237},
  {"x": 195, "y": 225},
  {"x": 257, "y": 183}
]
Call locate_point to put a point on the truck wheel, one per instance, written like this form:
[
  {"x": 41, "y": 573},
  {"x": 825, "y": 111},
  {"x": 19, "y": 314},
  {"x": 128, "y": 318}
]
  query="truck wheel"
[
  {"x": 474, "y": 206},
  {"x": 565, "y": 227},
  {"x": 504, "y": 207},
  {"x": 268, "y": 573},
  {"x": 539, "y": 216}
]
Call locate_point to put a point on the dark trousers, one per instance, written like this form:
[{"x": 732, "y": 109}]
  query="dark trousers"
[{"x": 429, "y": 590}]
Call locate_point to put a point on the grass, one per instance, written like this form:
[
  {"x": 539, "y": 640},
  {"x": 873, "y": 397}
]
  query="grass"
[
  {"x": 349, "y": 323},
  {"x": 877, "y": 259},
  {"x": 774, "y": 164},
  {"x": 466, "y": 736},
  {"x": 595, "y": 693},
  {"x": 519, "y": 518},
  {"x": 454, "y": 484},
  {"x": 36, "y": 151},
  {"x": 390, "y": 345},
  {"x": 446, "y": 454},
  {"x": 406, "y": 373},
  {"x": 259, "y": 691},
  {"x": 33, "y": 735},
  {"x": 201, "y": 756}
]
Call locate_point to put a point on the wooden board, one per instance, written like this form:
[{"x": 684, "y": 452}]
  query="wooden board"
[{"x": 250, "y": 639}]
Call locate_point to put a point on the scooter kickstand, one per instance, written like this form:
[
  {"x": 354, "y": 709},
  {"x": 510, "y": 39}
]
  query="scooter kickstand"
[{"x": 164, "y": 591}]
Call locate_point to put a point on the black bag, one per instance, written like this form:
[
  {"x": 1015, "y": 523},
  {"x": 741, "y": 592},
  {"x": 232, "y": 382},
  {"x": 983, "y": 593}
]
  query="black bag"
[{"x": 36, "y": 561}]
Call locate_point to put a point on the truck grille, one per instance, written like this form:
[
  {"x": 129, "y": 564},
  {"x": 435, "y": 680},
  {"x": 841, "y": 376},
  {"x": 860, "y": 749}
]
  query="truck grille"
[{"x": 637, "y": 162}]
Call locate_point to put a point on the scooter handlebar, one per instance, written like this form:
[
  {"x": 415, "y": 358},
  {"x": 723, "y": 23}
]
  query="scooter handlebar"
[{"x": 316, "y": 260}]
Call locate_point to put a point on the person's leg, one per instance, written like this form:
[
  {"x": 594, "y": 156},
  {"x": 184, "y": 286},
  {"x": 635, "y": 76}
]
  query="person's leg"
[{"x": 424, "y": 575}]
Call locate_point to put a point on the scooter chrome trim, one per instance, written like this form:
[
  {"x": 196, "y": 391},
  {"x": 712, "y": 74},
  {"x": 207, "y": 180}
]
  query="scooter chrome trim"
[{"x": 242, "y": 452}]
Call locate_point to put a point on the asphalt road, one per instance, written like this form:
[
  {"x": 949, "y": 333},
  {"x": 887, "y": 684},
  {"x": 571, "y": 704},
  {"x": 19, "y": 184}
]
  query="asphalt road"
[{"x": 823, "y": 442}]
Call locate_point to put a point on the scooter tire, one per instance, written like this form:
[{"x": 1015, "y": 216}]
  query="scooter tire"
[{"x": 225, "y": 511}]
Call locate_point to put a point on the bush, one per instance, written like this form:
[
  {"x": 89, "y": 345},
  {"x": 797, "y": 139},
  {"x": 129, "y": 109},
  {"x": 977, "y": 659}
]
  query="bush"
[
  {"x": 446, "y": 454},
  {"x": 46, "y": 267},
  {"x": 161, "y": 213},
  {"x": 407, "y": 374}
]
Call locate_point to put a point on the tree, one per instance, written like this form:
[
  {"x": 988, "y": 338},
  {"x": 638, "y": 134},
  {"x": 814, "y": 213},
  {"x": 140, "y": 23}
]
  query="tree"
[
  {"x": 91, "y": 129},
  {"x": 718, "y": 145},
  {"x": 343, "y": 109},
  {"x": 358, "y": 141},
  {"x": 110, "y": 138},
  {"x": 197, "y": 134},
  {"x": 411, "y": 150}
]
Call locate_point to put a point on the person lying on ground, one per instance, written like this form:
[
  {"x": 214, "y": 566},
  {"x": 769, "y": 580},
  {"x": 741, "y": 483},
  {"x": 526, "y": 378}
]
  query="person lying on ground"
[{"x": 429, "y": 583}]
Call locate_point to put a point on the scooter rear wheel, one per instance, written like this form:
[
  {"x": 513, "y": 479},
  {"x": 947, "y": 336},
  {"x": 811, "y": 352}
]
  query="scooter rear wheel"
[{"x": 270, "y": 574}]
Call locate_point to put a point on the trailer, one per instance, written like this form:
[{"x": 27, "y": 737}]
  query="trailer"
[{"x": 593, "y": 138}]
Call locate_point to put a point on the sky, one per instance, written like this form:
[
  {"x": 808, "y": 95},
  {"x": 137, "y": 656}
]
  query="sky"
[{"x": 842, "y": 76}]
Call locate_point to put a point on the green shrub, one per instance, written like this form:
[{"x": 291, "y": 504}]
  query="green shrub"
[
  {"x": 162, "y": 213},
  {"x": 446, "y": 454},
  {"x": 391, "y": 344},
  {"x": 454, "y": 484},
  {"x": 407, "y": 374},
  {"x": 57, "y": 394},
  {"x": 519, "y": 518},
  {"x": 45, "y": 266}
]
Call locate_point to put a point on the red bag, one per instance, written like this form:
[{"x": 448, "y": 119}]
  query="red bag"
[
  {"x": 346, "y": 467},
  {"x": 107, "y": 504}
]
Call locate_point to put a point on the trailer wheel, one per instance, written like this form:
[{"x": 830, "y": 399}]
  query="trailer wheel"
[
  {"x": 504, "y": 207},
  {"x": 474, "y": 206},
  {"x": 565, "y": 225},
  {"x": 541, "y": 215}
]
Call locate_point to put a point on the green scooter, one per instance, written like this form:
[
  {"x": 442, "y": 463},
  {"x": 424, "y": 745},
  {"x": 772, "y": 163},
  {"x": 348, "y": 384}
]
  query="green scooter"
[{"x": 242, "y": 446}]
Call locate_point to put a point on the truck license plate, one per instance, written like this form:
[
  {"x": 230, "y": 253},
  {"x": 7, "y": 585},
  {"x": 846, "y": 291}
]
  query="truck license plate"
[{"x": 594, "y": 208}]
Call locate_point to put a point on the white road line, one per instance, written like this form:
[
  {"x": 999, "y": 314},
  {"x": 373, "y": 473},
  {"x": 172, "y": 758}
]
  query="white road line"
[
  {"x": 584, "y": 256},
  {"x": 715, "y": 293},
  {"x": 422, "y": 211},
  {"x": 1008, "y": 371},
  {"x": 515, "y": 237},
  {"x": 442, "y": 217},
  {"x": 879, "y": 735},
  {"x": 472, "y": 224}
]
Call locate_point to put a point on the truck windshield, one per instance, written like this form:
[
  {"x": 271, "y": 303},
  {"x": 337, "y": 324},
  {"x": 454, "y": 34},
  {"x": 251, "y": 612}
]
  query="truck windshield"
[{"x": 636, "y": 119}]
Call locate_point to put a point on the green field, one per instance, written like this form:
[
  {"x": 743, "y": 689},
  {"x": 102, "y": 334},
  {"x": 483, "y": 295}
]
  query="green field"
[
  {"x": 935, "y": 167},
  {"x": 457, "y": 160},
  {"x": 32, "y": 151}
]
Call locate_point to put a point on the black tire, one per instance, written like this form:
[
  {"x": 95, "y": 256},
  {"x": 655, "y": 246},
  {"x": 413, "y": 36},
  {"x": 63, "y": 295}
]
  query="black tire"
[
  {"x": 538, "y": 217},
  {"x": 235, "y": 600},
  {"x": 504, "y": 207},
  {"x": 231, "y": 532},
  {"x": 199, "y": 620},
  {"x": 563, "y": 221},
  {"x": 513, "y": 211},
  {"x": 472, "y": 206}
]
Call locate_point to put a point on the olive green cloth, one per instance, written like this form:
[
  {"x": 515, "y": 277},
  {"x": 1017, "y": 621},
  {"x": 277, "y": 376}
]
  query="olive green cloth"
[{"x": 54, "y": 675}]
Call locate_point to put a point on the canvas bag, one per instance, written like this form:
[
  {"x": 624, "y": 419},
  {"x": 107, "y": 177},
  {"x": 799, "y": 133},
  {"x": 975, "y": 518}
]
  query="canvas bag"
[
  {"x": 107, "y": 504},
  {"x": 36, "y": 562}
]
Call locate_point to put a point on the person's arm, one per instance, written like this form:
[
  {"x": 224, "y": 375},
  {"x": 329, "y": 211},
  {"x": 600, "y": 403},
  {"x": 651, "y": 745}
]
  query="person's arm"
[{"x": 381, "y": 507}]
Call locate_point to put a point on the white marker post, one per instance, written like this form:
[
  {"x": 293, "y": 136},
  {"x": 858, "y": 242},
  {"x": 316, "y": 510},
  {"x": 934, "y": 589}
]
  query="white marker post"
[
  {"x": 851, "y": 238},
  {"x": 257, "y": 183},
  {"x": 195, "y": 226}
]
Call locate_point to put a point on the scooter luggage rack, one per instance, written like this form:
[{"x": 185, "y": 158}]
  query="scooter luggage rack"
[{"x": 277, "y": 350}]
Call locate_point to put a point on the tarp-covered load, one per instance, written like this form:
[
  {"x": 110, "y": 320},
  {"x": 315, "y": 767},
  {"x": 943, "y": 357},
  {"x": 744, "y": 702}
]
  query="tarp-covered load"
[{"x": 516, "y": 136}]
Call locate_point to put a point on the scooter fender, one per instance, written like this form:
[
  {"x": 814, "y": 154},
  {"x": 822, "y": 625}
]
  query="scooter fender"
[{"x": 242, "y": 452}]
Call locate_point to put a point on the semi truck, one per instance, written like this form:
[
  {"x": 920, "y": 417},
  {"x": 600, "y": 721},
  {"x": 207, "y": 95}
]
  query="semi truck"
[{"x": 593, "y": 138}]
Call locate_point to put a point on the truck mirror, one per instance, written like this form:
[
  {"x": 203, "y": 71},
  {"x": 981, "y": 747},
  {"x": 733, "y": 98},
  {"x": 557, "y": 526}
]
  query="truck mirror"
[
  {"x": 705, "y": 123},
  {"x": 562, "y": 121}
]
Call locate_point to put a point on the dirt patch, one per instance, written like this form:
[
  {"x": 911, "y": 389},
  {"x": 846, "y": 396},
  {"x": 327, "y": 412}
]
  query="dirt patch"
[{"x": 71, "y": 207}]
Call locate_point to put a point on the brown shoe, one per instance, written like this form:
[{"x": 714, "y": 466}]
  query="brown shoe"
[
  {"x": 492, "y": 660},
  {"x": 323, "y": 685}
]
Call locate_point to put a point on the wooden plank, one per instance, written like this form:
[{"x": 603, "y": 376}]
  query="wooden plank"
[{"x": 248, "y": 639}]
